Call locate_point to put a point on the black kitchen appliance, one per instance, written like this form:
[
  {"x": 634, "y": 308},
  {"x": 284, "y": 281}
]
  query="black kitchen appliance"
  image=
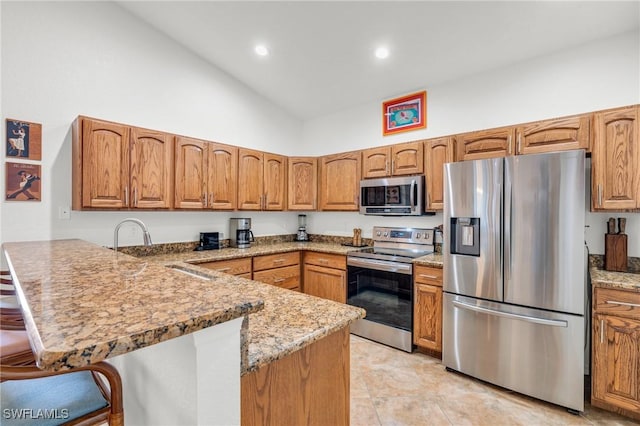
[
  {"x": 209, "y": 241},
  {"x": 380, "y": 280}
]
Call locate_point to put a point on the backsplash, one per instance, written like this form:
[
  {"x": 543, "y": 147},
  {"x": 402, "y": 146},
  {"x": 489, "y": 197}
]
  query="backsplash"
[{"x": 633, "y": 263}]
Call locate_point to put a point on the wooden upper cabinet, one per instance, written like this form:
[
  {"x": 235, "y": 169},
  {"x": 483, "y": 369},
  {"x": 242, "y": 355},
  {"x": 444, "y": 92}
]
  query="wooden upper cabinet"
[
  {"x": 407, "y": 158},
  {"x": 303, "y": 183},
  {"x": 485, "y": 144},
  {"x": 395, "y": 160},
  {"x": 250, "y": 179},
  {"x": 151, "y": 169},
  {"x": 437, "y": 152},
  {"x": 339, "y": 178},
  {"x": 376, "y": 162},
  {"x": 190, "y": 177},
  {"x": 222, "y": 174},
  {"x": 615, "y": 160},
  {"x": 275, "y": 182},
  {"x": 101, "y": 164},
  {"x": 553, "y": 135},
  {"x": 261, "y": 180}
]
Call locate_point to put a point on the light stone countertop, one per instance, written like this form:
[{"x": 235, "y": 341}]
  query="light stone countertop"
[
  {"x": 616, "y": 280},
  {"x": 83, "y": 303},
  {"x": 289, "y": 320}
]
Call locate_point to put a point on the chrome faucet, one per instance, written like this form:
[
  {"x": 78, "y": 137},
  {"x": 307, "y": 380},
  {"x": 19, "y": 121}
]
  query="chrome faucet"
[{"x": 145, "y": 232}]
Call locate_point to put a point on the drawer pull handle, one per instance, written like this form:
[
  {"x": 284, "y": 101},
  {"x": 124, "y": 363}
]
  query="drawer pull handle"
[
  {"x": 323, "y": 261},
  {"x": 634, "y": 305},
  {"x": 279, "y": 280},
  {"x": 433, "y": 277},
  {"x": 223, "y": 269},
  {"x": 601, "y": 331},
  {"x": 278, "y": 261}
]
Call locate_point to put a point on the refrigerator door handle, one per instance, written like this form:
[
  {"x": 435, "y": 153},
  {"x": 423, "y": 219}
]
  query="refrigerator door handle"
[{"x": 543, "y": 321}]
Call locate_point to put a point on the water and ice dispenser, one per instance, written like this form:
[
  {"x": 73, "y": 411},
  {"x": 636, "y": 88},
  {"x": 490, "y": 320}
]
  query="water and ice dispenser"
[{"x": 465, "y": 236}]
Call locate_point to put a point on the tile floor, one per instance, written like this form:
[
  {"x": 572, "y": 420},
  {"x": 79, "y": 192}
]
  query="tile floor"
[{"x": 392, "y": 387}]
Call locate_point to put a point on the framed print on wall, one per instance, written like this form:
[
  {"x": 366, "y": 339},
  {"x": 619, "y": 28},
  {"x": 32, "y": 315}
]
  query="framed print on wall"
[
  {"x": 405, "y": 113},
  {"x": 23, "y": 182},
  {"x": 24, "y": 139}
]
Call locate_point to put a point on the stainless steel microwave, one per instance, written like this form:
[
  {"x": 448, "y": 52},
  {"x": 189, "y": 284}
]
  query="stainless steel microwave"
[{"x": 394, "y": 196}]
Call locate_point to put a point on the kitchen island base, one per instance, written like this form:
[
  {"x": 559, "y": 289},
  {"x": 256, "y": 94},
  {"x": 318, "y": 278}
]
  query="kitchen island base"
[
  {"x": 307, "y": 387},
  {"x": 190, "y": 380}
]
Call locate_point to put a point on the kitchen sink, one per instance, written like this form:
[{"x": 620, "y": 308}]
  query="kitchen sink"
[{"x": 185, "y": 271}]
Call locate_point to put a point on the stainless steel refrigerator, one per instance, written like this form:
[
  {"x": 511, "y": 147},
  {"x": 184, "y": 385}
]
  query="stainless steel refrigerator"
[{"x": 514, "y": 273}]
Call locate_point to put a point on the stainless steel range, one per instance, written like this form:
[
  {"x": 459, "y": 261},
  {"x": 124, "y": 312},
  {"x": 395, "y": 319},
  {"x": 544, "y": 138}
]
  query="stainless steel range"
[{"x": 380, "y": 280}]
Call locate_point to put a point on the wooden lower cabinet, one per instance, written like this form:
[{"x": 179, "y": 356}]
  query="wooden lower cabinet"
[
  {"x": 616, "y": 352},
  {"x": 325, "y": 276},
  {"x": 307, "y": 387},
  {"x": 240, "y": 267},
  {"x": 427, "y": 312},
  {"x": 281, "y": 270}
]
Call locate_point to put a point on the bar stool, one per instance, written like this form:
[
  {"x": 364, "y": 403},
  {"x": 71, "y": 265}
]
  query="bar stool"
[
  {"x": 15, "y": 348},
  {"x": 76, "y": 396}
]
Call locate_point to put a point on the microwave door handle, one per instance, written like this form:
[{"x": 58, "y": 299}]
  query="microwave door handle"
[{"x": 411, "y": 196}]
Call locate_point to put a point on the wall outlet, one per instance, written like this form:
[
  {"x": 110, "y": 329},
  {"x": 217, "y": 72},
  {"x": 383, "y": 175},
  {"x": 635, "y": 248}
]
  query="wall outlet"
[{"x": 64, "y": 213}]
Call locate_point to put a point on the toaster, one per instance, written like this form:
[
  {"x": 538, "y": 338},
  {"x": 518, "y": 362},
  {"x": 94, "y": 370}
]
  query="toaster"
[{"x": 209, "y": 241}]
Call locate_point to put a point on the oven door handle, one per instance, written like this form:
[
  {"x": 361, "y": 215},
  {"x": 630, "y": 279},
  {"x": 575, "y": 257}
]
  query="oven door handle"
[{"x": 381, "y": 265}]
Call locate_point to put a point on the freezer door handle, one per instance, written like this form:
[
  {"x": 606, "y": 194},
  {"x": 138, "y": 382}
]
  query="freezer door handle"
[{"x": 543, "y": 321}]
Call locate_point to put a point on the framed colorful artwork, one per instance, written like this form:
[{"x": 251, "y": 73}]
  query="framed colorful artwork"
[
  {"x": 23, "y": 182},
  {"x": 404, "y": 113},
  {"x": 24, "y": 139}
]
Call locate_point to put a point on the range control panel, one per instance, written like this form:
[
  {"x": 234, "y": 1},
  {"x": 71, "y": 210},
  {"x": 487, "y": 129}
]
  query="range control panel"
[{"x": 404, "y": 235}]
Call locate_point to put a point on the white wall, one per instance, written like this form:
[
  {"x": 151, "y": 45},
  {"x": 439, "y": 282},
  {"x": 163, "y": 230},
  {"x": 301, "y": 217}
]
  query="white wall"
[
  {"x": 63, "y": 59},
  {"x": 600, "y": 75},
  {"x": 95, "y": 59}
]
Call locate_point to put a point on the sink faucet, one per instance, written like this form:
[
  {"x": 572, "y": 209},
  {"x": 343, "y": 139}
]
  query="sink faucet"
[{"x": 145, "y": 232}]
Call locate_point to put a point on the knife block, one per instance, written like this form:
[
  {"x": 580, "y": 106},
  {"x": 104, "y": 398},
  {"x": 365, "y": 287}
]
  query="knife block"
[{"x": 615, "y": 252}]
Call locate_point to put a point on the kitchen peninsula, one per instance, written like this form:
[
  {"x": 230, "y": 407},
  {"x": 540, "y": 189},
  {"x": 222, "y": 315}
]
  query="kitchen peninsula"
[{"x": 166, "y": 330}]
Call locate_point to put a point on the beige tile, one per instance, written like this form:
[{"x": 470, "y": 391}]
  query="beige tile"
[
  {"x": 410, "y": 411},
  {"x": 392, "y": 387},
  {"x": 363, "y": 413}
]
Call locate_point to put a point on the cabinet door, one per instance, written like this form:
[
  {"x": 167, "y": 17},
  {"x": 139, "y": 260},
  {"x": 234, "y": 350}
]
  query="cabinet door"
[
  {"x": 275, "y": 182},
  {"x": 222, "y": 172},
  {"x": 427, "y": 317},
  {"x": 340, "y": 182},
  {"x": 327, "y": 283},
  {"x": 190, "y": 177},
  {"x": 407, "y": 158},
  {"x": 485, "y": 144},
  {"x": 560, "y": 134},
  {"x": 376, "y": 162},
  {"x": 303, "y": 183},
  {"x": 287, "y": 277},
  {"x": 151, "y": 169},
  {"x": 250, "y": 179},
  {"x": 105, "y": 164},
  {"x": 616, "y": 363},
  {"x": 615, "y": 160},
  {"x": 437, "y": 153}
]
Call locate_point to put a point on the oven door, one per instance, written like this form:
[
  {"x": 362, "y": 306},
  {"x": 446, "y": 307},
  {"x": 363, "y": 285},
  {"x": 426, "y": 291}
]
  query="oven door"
[{"x": 385, "y": 290}]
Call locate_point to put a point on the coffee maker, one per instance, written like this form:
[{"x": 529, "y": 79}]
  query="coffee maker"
[
  {"x": 240, "y": 234},
  {"x": 302, "y": 228}
]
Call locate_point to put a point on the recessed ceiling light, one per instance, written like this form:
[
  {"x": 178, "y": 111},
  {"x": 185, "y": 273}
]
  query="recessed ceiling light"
[
  {"x": 261, "y": 50},
  {"x": 382, "y": 52}
]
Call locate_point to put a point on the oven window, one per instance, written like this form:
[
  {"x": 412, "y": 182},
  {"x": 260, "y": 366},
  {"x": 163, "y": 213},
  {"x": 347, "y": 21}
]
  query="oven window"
[{"x": 386, "y": 296}]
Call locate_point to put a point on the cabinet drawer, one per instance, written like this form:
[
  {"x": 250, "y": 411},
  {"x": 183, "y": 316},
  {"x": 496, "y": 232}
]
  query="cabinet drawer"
[
  {"x": 427, "y": 275},
  {"x": 260, "y": 263},
  {"x": 286, "y": 277},
  {"x": 336, "y": 261},
  {"x": 617, "y": 302},
  {"x": 232, "y": 266}
]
